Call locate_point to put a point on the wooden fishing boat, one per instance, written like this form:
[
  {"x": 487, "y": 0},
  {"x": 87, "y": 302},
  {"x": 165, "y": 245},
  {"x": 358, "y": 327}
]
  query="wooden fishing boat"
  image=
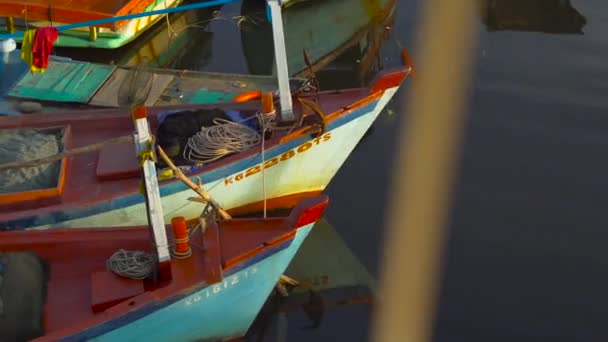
[
  {"x": 40, "y": 13},
  {"x": 62, "y": 88},
  {"x": 352, "y": 67},
  {"x": 326, "y": 29},
  {"x": 101, "y": 188},
  {"x": 213, "y": 294}
]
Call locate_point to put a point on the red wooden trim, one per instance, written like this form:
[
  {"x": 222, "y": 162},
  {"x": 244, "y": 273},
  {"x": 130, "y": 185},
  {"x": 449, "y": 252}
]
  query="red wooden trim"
[
  {"x": 390, "y": 80},
  {"x": 283, "y": 202},
  {"x": 108, "y": 289},
  {"x": 213, "y": 255},
  {"x": 249, "y": 254}
]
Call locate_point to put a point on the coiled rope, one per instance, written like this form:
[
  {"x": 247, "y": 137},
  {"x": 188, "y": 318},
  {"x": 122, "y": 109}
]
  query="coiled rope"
[
  {"x": 223, "y": 138},
  {"x": 131, "y": 264}
]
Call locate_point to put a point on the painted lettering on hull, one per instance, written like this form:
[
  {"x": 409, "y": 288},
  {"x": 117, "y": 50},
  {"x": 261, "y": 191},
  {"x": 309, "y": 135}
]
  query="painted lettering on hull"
[
  {"x": 225, "y": 284},
  {"x": 276, "y": 160}
]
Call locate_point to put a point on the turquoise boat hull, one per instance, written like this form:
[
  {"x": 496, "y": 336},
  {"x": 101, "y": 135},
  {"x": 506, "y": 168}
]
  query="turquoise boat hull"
[{"x": 218, "y": 312}]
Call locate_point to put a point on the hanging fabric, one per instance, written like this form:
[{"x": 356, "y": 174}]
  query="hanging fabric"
[
  {"x": 26, "y": 50},
  {"x": 43, "y": 45}
]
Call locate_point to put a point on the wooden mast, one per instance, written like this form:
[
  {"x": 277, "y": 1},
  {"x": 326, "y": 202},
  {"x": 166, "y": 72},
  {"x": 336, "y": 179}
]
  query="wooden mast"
[
  {"x": 280, "y": 57},
  {"x": 154, "y": 206}
]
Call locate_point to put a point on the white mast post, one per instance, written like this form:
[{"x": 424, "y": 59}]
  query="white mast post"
[
  {"x": 154, "y": 205},
  {"x": 280, "y": 57}
]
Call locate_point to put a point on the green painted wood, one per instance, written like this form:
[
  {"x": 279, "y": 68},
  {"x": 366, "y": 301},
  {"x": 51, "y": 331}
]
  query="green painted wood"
[
  {"x": 324, "y": 27},
  {"x": 63, "y": 81},
  {"x": 320, "y": 27}
]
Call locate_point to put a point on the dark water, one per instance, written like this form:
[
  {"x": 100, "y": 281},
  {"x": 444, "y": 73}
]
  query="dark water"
[{"x": 527, "y": 257}]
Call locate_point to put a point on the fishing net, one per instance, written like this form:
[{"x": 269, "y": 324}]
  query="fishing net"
[
  {"x": 135, "y": 89},
  {"x": 29, "y": 144}
]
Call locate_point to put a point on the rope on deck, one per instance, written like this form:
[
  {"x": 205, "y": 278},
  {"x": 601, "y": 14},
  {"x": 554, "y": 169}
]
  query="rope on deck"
[
  {"x": 131, "y": 264},
  {"x": 223, "y": 138}
]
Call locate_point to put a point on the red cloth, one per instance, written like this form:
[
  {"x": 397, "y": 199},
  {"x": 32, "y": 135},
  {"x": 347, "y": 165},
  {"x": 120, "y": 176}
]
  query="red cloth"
[{"x": 43, "y": 45}]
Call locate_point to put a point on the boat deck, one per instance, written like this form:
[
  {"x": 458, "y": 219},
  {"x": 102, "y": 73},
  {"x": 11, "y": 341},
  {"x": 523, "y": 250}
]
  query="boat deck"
[
  {"x": 62, "y": 87},
  {"x": 79, "y": 283}
]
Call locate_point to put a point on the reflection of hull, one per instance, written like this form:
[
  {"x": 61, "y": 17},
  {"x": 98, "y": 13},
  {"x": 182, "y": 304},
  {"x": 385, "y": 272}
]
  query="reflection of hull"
[
  {"x": 106, "y": 38},
  {"x": 323, "y": 283},
  {"x": 314, "y": 271},
  {"x": 326, "y": 29},
  {"x": 548, "y": 16}
]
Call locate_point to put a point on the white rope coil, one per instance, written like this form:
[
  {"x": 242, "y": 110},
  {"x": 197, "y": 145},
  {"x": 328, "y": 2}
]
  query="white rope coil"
[
  {"x": 267, "y": 120},
  {"x": 131, "y": 264},
  {"x": 219, "y": 140}
]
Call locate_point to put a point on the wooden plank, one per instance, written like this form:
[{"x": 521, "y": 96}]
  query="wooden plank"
[
  {"x": 108, "y": 289},
  {"x": 117, "y": 162},
  {"x": 107, "y": 96},
  {"x": 63, "y": 81}
]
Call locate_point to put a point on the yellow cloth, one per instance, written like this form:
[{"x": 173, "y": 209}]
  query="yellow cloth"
[{"x": 26, "y": 50}]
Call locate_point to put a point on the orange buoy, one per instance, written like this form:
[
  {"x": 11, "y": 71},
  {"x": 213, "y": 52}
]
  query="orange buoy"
[
  {"x": 140, "y": 112},
  {"x": 248, "y": 96},
  {"x": 180, "y": 235},
  {"x": 267, "y": 103}
]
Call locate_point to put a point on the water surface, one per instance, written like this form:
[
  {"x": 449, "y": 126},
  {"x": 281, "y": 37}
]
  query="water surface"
[{"x": 526, "y": 258}]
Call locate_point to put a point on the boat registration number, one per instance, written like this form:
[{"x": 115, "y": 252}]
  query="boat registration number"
[
  {"x": 277, "y": 160},
  {"x": 216, "y": 289}
]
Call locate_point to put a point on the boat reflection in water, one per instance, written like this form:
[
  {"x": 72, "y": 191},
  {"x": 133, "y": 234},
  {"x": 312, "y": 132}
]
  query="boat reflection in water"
[
  {"x": 325, "y": 283},
  {"x": 547, "y": 16},
  {"x": 327, "y": 30}
]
